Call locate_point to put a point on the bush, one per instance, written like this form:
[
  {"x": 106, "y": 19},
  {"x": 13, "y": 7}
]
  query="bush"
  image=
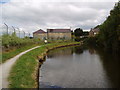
[
  {"x": 77, "y": 39},
  {"x": 92, "y": 41},
  {"x": 14, "y": 41}
]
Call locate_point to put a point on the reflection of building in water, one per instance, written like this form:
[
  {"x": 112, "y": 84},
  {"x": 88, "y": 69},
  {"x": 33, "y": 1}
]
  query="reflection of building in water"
[
  {"x": 60, "y": 52},
  {"x": 65, "y": 51}
]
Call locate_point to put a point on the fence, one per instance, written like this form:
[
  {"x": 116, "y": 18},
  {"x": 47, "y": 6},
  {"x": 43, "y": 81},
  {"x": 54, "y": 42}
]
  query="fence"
[{"x": 21, "y": 33}]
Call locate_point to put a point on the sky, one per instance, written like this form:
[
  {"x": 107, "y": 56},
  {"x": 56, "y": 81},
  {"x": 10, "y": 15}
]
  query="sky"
[{"x": 31, "y": 15}]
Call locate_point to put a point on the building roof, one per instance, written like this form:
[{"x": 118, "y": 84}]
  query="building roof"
[
  {"x": 59, "y": 30},
  {"x": 39, "y": 31}
]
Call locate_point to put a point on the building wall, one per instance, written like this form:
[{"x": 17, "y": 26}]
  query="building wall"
[
  {"x": 91, "y": 34},
  {"x": 41, "y": 36},
  {"x": 66, "y": 36}
]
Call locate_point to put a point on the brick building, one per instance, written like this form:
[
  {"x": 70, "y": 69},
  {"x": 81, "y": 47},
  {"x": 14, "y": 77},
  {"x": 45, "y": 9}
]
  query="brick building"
[
  {"x": 40, "y": 34},
  {"x": 53, "y": 34},
  {"x": 59, "y": 34}
]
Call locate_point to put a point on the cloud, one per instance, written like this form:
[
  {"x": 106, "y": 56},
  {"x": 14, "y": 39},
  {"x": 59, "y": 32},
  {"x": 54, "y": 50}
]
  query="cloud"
[{"x": 34, "y": 14}]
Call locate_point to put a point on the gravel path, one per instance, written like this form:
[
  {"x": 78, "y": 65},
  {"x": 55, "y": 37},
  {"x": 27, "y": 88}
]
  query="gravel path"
[{"x": 6, "y": 67}]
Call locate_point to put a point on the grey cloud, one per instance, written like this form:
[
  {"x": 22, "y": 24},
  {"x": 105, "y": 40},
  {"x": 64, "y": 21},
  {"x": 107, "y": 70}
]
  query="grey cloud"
[{"x": 32, "y": 16}]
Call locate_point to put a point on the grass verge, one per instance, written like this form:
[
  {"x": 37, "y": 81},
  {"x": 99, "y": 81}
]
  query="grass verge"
[
  {"x": 10, "y": 54},
  {"x": 24, "y": 72}
]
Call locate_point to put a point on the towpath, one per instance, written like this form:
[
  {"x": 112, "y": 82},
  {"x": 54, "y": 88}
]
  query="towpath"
[{"x": 6, "y": 67}]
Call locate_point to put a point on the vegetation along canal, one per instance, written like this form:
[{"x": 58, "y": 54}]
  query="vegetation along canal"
[{"x": 73, "y": 67}]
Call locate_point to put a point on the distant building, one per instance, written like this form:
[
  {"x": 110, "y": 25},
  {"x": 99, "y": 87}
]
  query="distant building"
[
  {"x": 53, "y": 34},
  {"x": 40, "y": 34},
  {"x": 94, "y": 32},
  {"x": 57, "y": 34}
]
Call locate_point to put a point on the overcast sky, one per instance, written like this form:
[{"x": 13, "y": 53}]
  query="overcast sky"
[{"x": 31, "y": 15}]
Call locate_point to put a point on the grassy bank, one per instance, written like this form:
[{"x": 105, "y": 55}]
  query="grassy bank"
[
  {"x": 24, "y": 72},
  {"x": 12, "y": 45},
  {"x": 14, "y": 52}
]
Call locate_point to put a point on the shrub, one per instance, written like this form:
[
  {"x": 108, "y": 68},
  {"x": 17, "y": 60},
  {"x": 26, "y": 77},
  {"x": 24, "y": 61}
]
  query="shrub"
[{"x": 14, "y": 41}]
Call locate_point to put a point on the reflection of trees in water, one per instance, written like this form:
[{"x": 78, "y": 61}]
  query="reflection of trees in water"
[
  {"x": 78, "y": 50},
  {"x": 65, "y": 51},
  {"x": 111, "y": 65},
  {"x": 92, "y": 51},
  {"x": 60, "y": 52}
]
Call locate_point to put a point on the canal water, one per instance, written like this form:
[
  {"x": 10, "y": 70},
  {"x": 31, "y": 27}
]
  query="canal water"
[{"x": 74, "y": 67}]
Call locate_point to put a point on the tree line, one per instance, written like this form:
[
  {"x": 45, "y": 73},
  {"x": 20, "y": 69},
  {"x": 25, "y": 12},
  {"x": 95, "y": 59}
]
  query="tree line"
[{"x": 109, "y": 35}]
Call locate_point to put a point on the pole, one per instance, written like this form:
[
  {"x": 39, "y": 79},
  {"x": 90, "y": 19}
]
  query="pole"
[
  {"x": 7, "y": 28},
  {"x": 24, "y": 33},
  {"x": 13, "y": 29},
  {"x": 19, "y": 32},
  {"x": 29, "y": 34}
]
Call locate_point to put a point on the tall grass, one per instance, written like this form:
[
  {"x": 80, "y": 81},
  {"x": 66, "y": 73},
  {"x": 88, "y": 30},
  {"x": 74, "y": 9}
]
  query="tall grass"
[
  {"x": 14, "y": 41},
  {"x": 13, "y": 45}
]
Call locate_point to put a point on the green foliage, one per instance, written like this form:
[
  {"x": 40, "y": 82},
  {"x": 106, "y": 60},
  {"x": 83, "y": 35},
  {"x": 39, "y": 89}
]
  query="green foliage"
[
  {"x": 14, "y": 41},
  {"x": 91, "y": 41},
  {"x": 78, "y": 32},
  {"x": 77, "y": 39},
  {"x": 13, "y": 45},
  {"x": 86, "y": 33},
  {"x": 109, "y": 35}
]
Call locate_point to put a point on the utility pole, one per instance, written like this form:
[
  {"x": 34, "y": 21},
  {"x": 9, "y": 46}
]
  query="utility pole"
[{"x": 7, "y": 28}]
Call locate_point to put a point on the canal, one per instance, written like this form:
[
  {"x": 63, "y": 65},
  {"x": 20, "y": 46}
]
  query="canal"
[{"x": 74, "y": 67}]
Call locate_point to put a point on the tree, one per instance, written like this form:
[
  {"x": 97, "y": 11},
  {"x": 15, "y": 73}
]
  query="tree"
[
  {"x": 109, "y": 30},
  {"x": 78, "y": 32}
]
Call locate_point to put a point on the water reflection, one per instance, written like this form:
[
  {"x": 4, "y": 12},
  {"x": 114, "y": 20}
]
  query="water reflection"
[
  {"x": 60, "y": 52},
  {"x": 64, "y": 51},
  {"x": 111, "y": 65},
  {"x": 74, "y": 67}
]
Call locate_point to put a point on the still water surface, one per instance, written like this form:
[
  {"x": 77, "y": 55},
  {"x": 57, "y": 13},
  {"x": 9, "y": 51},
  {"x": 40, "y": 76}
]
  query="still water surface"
[{"x": 74, "y": 67}]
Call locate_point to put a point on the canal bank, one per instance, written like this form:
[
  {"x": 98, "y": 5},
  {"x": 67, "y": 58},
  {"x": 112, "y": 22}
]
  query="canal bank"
[{"x": 24, "y": 73}]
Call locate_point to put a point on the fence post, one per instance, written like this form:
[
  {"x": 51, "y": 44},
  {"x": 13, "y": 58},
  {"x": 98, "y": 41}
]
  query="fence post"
[
  {"x": 7, "y": 28},
  {"x": 13, "y": 29},
  {"x": 24, "y": 33},
  {"x": 29, "y": 35},
  {"x": 19, "y": 32}
]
